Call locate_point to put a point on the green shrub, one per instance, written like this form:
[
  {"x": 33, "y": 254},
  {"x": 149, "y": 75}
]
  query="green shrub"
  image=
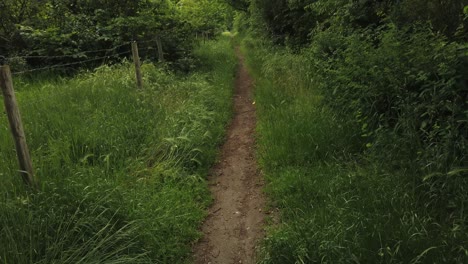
[
  {"x": 362, "y": 129},
  {"x": 340, "y": 153},
  {"x": 401, "y": 86}
]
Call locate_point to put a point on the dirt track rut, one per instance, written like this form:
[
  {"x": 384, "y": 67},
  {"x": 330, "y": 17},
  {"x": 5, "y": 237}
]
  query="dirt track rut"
[{"x": 235, "y": 221}]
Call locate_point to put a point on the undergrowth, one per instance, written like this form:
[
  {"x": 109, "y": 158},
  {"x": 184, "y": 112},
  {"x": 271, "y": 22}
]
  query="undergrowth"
[
  {"x": 344, "y": 196},
  {"x": 122, "y": 171}
]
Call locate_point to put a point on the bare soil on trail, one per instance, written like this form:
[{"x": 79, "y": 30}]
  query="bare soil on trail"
[{"x": 235, "y": 221}]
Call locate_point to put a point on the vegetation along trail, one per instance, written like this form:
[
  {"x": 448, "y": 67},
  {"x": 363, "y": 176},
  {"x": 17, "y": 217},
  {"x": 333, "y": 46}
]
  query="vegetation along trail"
[{"x": 234, "y": 224}]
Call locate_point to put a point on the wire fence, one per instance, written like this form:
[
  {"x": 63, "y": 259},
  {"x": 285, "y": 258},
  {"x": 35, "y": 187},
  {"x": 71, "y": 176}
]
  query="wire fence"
[
  {"x": 57, "y": 92},
  {"x": 36, "y": 101},
  {"x": 68, "y": 64},
  {"x": 11, "y": 104},
  {"x": 75, "y": 55},
  {"x": 109, "y": 54}
]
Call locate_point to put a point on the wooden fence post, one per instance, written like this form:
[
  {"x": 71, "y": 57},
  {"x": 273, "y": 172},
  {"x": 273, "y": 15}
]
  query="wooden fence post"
[
  {"x": 160, "y": 49},
  {"x": 136, "y": 60},
  {"x": 16, "y": 125}
]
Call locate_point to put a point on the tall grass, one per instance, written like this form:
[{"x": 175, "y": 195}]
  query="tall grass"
[
  {"x": 336, "y": 204},
  {"x": 122, "y": 171}
]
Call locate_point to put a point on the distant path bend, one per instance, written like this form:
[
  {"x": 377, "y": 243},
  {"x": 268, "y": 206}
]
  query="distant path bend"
[{"x": 236, "y": 218}]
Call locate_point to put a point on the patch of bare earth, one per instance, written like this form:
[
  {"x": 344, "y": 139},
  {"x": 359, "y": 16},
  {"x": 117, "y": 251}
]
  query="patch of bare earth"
[{"x": 236, "y": 218}]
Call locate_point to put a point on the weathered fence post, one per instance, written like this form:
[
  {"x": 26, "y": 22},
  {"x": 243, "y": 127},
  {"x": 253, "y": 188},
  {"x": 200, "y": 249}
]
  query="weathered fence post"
[
  {"x": 160, "y": 49},
  {"x": 136, "y": 60},
  {"x": 16, "y": 125}
]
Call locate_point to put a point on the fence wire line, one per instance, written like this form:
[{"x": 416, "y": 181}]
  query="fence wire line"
[
  {"x": 68, "y": 55},
  {"x": 63, "y": 91},
  {"x": 68, "y": 64},
  {"x": 35, "y": 101},
  {"x": 76, "y": 54}
]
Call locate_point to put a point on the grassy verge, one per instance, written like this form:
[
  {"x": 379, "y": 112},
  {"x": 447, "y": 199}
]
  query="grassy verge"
[
  {"x": 337, "y": 206},
  {"x": 122, "y": 171}
]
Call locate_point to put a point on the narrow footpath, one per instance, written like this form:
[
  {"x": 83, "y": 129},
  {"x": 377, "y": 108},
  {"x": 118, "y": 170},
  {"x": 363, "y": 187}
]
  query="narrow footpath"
[{"x": 235, "y": 221}]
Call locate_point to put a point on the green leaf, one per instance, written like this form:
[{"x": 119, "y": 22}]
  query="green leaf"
[{"x": 457, "y": 171}]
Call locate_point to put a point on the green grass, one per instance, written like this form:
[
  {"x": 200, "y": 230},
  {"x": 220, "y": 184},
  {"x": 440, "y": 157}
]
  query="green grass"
[
  {"x": 337, "y": 204},
  {"x": 122, "y": 171}
]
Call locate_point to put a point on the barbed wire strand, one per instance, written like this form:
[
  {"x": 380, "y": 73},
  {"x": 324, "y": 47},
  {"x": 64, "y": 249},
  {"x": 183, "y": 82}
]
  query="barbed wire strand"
[
  {"x": 75, "y": 54},
  {"x": 68, "y": 55},
  {"x": 142, "y": 51},
  {"x": 36, "y": 101},
  {"x": 68, "y": 64}
]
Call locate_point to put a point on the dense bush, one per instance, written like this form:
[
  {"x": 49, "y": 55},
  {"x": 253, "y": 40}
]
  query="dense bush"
[
  {"x": 402, "y": 79},
  {"x": 337, "y": 202},
  {"x": 362, "y": 128},
  {"x": 411, "y": 85},
  {"x": 292, "y": 22}
]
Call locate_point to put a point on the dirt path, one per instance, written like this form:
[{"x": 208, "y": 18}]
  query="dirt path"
[{"x": 235, "y": 221}]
